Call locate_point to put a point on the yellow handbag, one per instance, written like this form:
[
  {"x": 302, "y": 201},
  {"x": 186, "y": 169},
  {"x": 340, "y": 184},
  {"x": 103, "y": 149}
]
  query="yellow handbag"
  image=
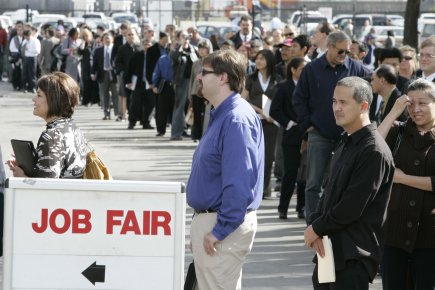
[{"x": 95, "y": 168}]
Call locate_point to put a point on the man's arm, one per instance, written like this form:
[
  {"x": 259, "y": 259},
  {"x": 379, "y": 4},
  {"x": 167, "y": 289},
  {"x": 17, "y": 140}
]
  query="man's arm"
[
  {"x": 366, "y": 179},
  {"x": 301, "y": 99}
]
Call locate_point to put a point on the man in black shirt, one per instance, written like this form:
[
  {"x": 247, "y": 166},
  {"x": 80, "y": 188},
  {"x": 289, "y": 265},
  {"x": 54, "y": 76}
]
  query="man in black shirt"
[{"x": 353, "y": 207}]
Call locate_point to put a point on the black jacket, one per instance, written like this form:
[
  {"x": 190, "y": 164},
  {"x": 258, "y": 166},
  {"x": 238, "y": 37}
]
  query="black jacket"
[
  {"x": 238, "y": 41},
  {"x": 153, "y": 55},
  {"x": 281, "y": 110},
  {"x": 135, "y": 67},
  {"x": 378, "y": 117},
  {"x": 123, "y": 56}
]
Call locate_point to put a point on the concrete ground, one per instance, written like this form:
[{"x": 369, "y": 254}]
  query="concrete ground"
[{"x": 279, "y": 259}]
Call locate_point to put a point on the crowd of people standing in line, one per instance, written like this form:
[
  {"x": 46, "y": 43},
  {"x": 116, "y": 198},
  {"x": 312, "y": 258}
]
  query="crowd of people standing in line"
[{"x": 291, "y": 84}]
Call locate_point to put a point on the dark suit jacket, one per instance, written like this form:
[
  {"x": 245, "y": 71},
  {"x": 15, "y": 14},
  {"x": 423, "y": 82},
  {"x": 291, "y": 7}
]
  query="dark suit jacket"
[
  {"x": 238, "y": 41},
  {"x": 85, "y": 63},
  {"x": 117, "y": 43},
  {"x": 402, "y": 84},
  {"x": 98, "y": 65},
  {"x": 123, "y": 56},
  {"x": 135, "y": 67},
  {"x": 378, "y": 117},
  {"x": 153, "y": 55},
  {"x": 281, "y": 110}
]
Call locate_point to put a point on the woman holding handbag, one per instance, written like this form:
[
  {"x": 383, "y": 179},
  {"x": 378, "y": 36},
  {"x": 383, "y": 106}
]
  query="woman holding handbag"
[{"x": 410, "y": 223}]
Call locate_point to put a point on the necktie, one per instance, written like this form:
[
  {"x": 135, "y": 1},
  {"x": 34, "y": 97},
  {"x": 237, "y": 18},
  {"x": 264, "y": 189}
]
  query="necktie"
[
  {"x": 23, "y": 50},
  {"x": 107, "y": 65},
  {"x": 368, "y": 58},
  {"x": 246, "y": 38}
]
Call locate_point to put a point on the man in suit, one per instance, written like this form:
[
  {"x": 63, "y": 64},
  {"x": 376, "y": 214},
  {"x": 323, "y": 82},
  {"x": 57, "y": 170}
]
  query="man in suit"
[
  {"x": 121, "y": 38},
  {"x": 246, "y": 33},
  {"x": 353, "y": 206},
  {"x": 393, "y": 57},
  {"x": 122, "y": 61},
  {"x": 103, "y": 71},
  {"x": 141, "y": 104},
  {"x": 45, "y": 59},
  {"x": 384, "y": 80}
]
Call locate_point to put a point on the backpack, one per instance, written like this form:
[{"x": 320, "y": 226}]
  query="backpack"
[{"x": 95, "y": 168}]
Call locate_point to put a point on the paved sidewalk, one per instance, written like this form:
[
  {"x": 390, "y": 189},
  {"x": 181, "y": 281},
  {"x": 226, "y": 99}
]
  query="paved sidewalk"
[{"x": 279, "y": 259}]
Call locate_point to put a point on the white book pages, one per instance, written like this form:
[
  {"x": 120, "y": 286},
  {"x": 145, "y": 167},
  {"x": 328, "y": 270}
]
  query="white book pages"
[{"x": 326, "y": 265}]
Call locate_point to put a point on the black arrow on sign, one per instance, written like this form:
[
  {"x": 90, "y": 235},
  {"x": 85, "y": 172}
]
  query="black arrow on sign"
[{"x": 95, "y": 273}]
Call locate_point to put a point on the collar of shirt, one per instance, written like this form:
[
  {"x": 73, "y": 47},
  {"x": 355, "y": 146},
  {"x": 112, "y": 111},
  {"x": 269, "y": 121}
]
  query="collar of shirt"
[
  {"x": 430, "y": 77},
  {"x": 326, "y": 64},
  {"x": 358, "y": 135},
  {"x": 223, "y": 107},
  {"x": 108, "y": 48}
]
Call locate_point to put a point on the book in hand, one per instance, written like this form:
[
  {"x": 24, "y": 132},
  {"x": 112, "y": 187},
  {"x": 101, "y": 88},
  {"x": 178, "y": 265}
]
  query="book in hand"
[
  {"x": 326, "y": 265},
  {"x": 25, "y": 155}
]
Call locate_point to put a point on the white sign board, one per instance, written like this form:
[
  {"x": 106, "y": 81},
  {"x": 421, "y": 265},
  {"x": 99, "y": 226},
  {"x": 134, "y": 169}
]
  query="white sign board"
[{"x": 82, "y": 234}]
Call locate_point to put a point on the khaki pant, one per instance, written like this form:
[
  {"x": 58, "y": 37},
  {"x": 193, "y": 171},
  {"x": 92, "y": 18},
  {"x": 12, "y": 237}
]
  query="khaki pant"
[{"x": 224, "y": 269}]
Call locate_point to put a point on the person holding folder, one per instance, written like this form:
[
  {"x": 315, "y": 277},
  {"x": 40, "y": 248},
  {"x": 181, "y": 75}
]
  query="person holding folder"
[
  {"x": 353, "y": 206},
  {"x": 62, "y": 148}
]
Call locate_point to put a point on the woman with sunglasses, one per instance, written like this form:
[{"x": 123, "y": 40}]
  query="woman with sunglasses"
[
  {"x": 410, "y": 222},
  {"x": 259, "y": 90}
]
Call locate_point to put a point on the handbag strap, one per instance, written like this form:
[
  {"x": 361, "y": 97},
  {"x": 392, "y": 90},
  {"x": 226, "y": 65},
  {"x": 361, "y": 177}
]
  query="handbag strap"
[{"x": 399, "y": 138}]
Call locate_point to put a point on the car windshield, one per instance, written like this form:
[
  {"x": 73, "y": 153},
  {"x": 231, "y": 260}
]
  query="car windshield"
[
  {"x": 429, "y": 29},
  {"x": 121, "y": 19}
]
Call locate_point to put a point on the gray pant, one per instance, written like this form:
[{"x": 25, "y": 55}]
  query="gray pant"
[
  {"x": 318, "y": 156},
  {"x": 178, "y": 115},
  {"x": 107, "y": 89}
]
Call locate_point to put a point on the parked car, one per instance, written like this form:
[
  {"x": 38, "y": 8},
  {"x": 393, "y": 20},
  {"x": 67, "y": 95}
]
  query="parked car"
[
  {"x": 67, "y": 24},
  {"x": 396, "y": 20},
  {"x": 206, "y": 30},
  {"x": 93, "y": 15},
  {"x": 296, "y": 16},
  {"x": 340, "y": 21},
  {"x": 381, "y": 34},
  {"x": 427, "y": 29},
  {"x": 121, "y": 17},
  {"x": 20, "y": 14}
]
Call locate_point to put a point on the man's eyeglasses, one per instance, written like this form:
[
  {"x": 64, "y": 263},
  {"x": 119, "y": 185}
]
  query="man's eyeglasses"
[
  {"x": 345, "y": 51},
  {"x": 206, "y": 72},
  {"x": 426, "y": 55}
]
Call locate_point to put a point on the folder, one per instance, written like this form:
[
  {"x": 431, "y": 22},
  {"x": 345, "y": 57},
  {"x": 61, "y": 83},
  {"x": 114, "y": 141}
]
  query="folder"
[
  {"x": 326, "y": 265},
  {"x": 25, "y": 155}
]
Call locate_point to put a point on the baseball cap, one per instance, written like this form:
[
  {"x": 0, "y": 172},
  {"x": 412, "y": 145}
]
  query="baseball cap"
[{"x": 286, "y": 42}]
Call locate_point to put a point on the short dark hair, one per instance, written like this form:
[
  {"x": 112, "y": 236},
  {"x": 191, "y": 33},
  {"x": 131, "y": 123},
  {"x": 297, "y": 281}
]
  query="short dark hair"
[
  {"x": 27, "y": 33},
  {"x": 245, "y": 18},
  {"x": 62, "y": 93},
  {"x": 293, "y": 64},
  {"x": 303, "y": 40},
  {"x": 423, "y": 85},
  {"x": 362, "y": 91},
  {"x": 393, "y": 52},
  {"x": 125, "y": 25},
  {"x": 72, "y": 32},
  {"x": 326, "y": 27},
  {"x": 50, "y": 31},
  {"x": 361, "y": 45},
  {"x": 230, "y": 62},
  {"x": 387, "y": 72}
]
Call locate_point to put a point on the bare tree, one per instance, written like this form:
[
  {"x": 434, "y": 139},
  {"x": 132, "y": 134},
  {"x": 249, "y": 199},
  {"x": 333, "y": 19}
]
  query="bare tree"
[{"x": 410, "y": 36}]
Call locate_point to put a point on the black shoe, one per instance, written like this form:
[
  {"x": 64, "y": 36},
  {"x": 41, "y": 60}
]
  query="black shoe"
[
  {"x": 106, "y": 118},
  {"x": 301, "y": 214},
  {"x": 130, "y": 126},
  {"x": 282, "y": 215},
  {"x": 176, "y": 138},
  {"x": 147, "y": 126},
  {"x": 118, "y": 119},
  {"x": 160, "y": 134}
]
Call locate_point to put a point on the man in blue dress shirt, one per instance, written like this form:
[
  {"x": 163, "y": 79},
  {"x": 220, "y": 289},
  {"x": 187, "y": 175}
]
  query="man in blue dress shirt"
[{"x": 226, "y": 182}]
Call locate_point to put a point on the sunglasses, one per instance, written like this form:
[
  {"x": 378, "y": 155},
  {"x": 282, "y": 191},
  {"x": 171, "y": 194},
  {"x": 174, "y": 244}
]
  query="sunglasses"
[
  {"x": 206, "y": 72},
  {"x": 289, "y": 34},
  {"x": 407, "y": 57},
  {"x": 345, "y": 51}
]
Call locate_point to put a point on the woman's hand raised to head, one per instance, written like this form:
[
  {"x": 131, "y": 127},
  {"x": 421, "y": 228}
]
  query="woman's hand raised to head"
[{"x": 400, "y": 105}]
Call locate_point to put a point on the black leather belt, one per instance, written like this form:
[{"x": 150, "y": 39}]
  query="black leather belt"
[{"x": 199, "y": 211}]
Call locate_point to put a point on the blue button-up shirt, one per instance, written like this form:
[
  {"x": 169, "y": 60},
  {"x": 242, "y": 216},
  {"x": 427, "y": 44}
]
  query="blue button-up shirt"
[
  {"x": 312, "y": 100},
  {"x": 228, "y": 165},
  {"x": 163, "y": 70}
]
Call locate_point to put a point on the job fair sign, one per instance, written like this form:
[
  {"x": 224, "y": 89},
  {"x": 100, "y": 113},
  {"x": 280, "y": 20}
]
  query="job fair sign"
[{"x": 82, "y": 234}]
